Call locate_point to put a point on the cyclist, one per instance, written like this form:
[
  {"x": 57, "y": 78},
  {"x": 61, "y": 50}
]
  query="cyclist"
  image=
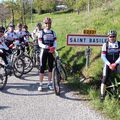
[
  {"x": 47, "y": 43},
  {"x": 111, "y": 57},
  {"x": 11, "y": 37},
  {"x": 27, "y": 36},
  {"x": 35, "y": 35},
  {"x": 20, "y": 32},
  {"x": 3, "y": 47}
]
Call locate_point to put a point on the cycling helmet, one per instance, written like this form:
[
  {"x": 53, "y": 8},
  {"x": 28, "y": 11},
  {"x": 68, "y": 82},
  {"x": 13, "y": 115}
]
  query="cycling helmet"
[
  {"x": 38, "y": 24},
  {"x": 47, "y": 20},
  {"x": 112, "y": 33},
  {"x": 19, "y": 25},
  {"x": 25, "y": 26},
  {"x": 11, "y": 25}
]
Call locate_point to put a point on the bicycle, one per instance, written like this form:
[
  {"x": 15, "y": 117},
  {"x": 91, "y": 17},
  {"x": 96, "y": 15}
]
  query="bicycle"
[
  {"x": 20, "y": 53},
  {"x": 16, "y": 67},
  {"x": 59, "y": 72},
  {"x": 113, "y": 87},
  {"x": 3, "y": 76},
  {"x": 35, "y": 55}
]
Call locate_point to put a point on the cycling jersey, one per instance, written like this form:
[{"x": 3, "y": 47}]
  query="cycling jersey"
[
  {"x": 21, "y": 34},
  {"x": 11, "y": 37},
  {"x": 35, "y": 34},
  {"x": 27, "y": 35},
  {"x": 47, "y": 38},
  {"x": 111, "y": 53}
]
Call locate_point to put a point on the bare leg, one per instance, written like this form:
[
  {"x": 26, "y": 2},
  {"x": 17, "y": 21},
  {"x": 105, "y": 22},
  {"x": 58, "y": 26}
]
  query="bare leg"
[
  {"x": 49, "y": 76},
  {"x": 41, "y": 76}
]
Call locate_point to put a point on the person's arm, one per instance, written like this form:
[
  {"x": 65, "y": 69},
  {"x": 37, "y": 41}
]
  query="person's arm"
[
  {"x": 103, "y": 55},
  {"x": 55, "y": 40},
  {"x": 41, "y": 45}
]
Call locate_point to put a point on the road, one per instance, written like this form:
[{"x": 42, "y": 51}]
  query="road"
[{"x": 20, "y": 100}]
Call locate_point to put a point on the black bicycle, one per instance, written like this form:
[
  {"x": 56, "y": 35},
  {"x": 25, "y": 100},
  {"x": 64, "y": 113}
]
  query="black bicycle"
[
  {"x": 3, "y": 76},
  {"x": 15, "y": 67},
  {"x": 19, "y": 52},
  {"x": 59, "y": 73}
]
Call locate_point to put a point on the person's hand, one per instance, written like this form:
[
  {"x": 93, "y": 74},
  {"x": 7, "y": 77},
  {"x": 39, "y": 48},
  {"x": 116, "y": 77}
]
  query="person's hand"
[
  {"x": 52, "y": 49},
  {"x": 112, "y": 66}
]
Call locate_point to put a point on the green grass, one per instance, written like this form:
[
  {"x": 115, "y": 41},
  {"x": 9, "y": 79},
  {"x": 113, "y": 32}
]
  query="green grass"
[{"x": 101, "y": 19}]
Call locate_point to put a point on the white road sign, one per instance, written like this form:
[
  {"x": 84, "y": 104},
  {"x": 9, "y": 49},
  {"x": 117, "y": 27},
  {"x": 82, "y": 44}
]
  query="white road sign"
[{"x": 86, "y": 40}]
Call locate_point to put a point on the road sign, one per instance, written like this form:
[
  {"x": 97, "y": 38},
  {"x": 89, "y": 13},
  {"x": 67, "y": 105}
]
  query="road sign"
[
  {"x": 86, "y": 40},
  {"x": 89, "y": 32}
]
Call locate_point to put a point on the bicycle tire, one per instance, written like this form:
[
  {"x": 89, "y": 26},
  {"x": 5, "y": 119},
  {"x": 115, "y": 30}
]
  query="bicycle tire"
[
  {"x": 18, "y": 67},
  {"x": 3, "y": 77},
  {"x": 28, "y": 63},
  {"x": 56, "y": 81},
  {"x": 62, "y": 71}
]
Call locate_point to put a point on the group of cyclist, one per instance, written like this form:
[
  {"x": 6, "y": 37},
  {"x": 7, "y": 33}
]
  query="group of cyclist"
[{"x": 46, "y": 41}]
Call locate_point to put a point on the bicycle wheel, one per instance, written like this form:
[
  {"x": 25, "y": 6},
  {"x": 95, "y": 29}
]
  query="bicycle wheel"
[
  {"x": 112, "y": 88},
  {"x": 28, "y": 63},
  {"x": 56, "y": 81},
  {"x": 62, "y": 71},
  {"x": 18, "y": 67},
  {"x": 3, "y": 77}
]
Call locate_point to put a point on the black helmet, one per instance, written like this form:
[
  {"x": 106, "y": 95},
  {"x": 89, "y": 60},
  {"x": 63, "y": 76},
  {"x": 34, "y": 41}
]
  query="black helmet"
[
  {"x": 25, "y": 26},
  {"x": 19, "y": 25},
  {"x": 38, "y": 24},
  {"x": 112, "y": 32}
]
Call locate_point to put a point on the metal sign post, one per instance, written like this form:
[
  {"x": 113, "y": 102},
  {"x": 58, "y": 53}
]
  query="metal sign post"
[{"x": 87, "y": 55}]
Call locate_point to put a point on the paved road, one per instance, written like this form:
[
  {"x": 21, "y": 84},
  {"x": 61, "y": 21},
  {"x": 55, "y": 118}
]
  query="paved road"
[{"x": 20, "y": 100}]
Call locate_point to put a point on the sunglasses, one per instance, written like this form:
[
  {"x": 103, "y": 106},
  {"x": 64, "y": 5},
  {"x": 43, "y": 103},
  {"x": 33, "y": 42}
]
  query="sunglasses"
[{"x": 112, "y": 36}]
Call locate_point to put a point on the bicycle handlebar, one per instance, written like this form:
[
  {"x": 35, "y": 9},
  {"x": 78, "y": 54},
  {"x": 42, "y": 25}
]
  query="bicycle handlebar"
[{"x": 59, "y": 49}]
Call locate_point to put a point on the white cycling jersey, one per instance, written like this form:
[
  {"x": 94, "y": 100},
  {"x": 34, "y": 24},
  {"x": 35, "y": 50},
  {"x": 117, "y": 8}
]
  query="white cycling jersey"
[
  {"x": 45, "y": 37},
  {"x": 111, "y": 53}
]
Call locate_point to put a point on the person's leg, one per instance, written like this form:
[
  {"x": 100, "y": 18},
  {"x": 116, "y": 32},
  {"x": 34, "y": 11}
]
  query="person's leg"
[
  {"x": 50, "y": 66},
  {"x": 106, "y": 72},
  {"x": 43, "y": 60}
]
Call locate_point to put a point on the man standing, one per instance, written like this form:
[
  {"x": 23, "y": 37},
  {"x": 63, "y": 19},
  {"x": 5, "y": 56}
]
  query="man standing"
[
  {"x": 111, "y": 58},
  {"x": 47, "y": 43}
]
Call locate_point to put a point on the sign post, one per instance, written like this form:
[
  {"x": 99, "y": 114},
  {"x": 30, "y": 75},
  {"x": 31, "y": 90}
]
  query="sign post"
[{"x": 89, "y": 38}]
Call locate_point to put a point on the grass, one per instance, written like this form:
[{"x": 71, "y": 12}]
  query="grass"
[{"x": 101, "y": 19}]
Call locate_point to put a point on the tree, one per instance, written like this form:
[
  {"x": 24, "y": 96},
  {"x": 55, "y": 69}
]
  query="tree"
[
  {"x": 49, "y": 5},
  {"x": 38, "y": 5},
  {"x": 80, "y": 5},
  {"x": 70, "y": 3}
]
